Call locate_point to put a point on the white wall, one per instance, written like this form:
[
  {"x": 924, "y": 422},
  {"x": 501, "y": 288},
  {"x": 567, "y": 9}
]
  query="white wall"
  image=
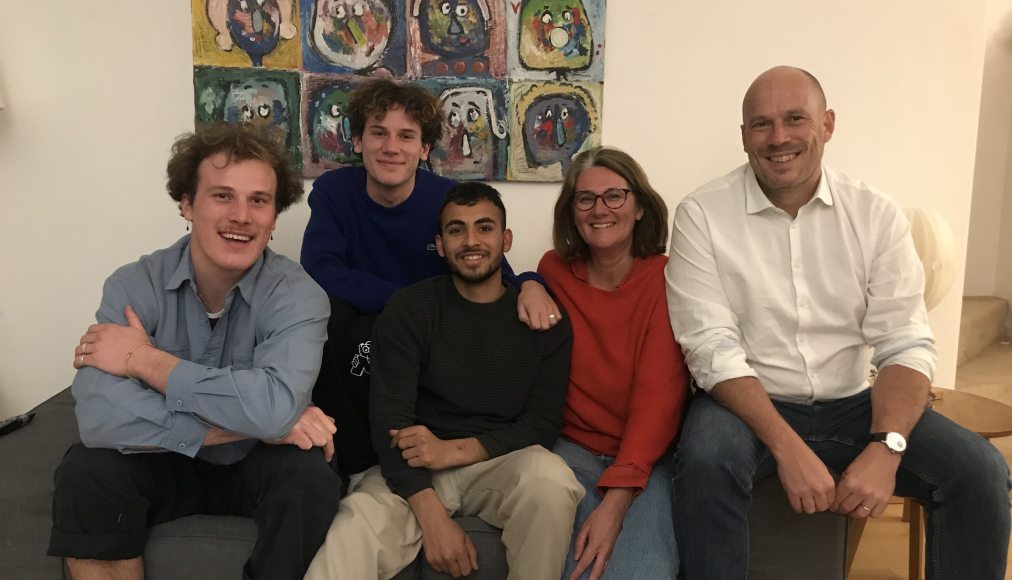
[
  {"x": 95, "y": 93},
  {"x": 989, "y": 244}
]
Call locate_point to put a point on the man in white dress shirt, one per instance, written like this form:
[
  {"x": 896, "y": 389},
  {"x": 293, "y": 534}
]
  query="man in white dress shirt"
[{"x": 787, "y": 282}]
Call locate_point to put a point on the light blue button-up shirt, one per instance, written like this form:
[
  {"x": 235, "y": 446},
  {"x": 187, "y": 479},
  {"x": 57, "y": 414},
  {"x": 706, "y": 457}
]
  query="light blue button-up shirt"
[{"x": 252, "y": 374}]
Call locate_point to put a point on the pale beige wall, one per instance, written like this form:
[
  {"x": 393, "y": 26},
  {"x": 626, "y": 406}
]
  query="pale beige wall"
[
  {"x": 96, "y": 92},
  {"x": 989, "y": 245}
]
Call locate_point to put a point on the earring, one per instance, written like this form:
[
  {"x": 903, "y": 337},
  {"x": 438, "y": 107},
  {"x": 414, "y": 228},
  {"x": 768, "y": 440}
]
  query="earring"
[
  {"x": 272, "y": 237},
  {"x": 187, "y": 225}
]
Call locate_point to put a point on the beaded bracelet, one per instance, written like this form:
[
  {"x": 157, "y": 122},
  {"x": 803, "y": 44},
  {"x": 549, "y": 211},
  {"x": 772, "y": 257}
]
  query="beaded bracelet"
[{"x": 126, "y": 363}]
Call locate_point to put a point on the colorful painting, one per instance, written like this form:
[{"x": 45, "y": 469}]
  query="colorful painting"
[
  {"x": 520, "y": 82},
  {"x": 242, "y": 33},
  {"x": 263, "y": 97},
  {"x": 353, "y": 36},
  {"x": 326, "y": 129},
  {"x": 457, "y": 38},
  {"x": 475, "y": 134},
  {"x": 550, "y": 124},
  {"x": 556, "y": 39}
]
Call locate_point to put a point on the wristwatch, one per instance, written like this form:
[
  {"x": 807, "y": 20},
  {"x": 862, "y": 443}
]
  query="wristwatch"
[{"x": 893, "y": 441}]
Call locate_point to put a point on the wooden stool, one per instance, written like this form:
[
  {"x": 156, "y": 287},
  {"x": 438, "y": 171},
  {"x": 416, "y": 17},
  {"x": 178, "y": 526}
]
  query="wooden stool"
[{"x": 985, "y": 417}]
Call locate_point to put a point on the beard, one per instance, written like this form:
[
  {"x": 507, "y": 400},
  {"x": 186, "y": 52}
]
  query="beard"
[{"x": 476, "y": 276}]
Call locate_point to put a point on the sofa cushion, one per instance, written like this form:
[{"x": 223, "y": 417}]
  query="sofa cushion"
[{"x": 29, "y": 457}]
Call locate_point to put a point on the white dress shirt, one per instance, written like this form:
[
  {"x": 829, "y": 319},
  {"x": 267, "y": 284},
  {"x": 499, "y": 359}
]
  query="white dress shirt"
[{"x": 805, "y": 304}]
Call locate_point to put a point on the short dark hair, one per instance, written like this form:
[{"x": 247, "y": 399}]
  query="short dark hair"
[
  {"x": 377, "y": 96},
  {"x": 650, "y": 234},
  {"x": 240, "y": 142},
  {"x": 470, "y": 193}
]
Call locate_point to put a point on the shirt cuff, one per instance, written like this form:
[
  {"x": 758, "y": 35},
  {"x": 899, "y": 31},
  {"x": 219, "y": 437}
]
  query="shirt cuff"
[
  {"x": 179, "y": 392},
  {"x": 911, "y": 360},
  {"x": 186, "y": 436},
  {"x": 493, "y": 447},
  {"x": 623, "y": 475},
  {"x": 412, "y": 484}
]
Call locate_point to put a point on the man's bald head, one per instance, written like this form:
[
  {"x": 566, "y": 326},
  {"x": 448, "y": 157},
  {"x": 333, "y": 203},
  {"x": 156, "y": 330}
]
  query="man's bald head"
[{"x": 780, "y": 73}]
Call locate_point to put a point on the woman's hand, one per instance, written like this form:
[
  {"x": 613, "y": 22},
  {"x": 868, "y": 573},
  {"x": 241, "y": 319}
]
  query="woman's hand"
[{"x": 597, "y": 536}]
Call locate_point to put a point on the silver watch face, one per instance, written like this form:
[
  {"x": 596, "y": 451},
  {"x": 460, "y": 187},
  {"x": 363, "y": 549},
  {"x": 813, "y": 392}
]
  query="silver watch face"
[{"x": 895, "y": 442}]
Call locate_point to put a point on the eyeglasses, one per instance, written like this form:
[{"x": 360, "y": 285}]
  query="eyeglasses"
[{"x": 613, "y": 198}]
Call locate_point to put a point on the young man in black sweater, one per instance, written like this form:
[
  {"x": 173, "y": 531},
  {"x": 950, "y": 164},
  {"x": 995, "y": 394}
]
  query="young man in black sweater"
[{"x": 465, "y": 400}]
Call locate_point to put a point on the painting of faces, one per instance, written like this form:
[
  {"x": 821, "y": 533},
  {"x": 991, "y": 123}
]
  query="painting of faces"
[
  {"x": 262, "y": 97},
  {"x": 520, "y": 82},
  {"x": 550, "y": 124},
  {"x": 326, "y": 129},
  {"x": 475, "y": 129}
]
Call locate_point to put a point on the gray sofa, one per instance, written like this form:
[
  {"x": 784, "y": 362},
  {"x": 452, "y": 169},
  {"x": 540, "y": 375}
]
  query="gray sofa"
[{"x": 784, "y": 545}]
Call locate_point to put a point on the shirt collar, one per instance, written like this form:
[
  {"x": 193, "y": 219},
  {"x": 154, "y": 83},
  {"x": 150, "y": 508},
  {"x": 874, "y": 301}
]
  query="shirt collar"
[
  {"x": 756, "y": 201},
  {"x": 183, "y": 271}
]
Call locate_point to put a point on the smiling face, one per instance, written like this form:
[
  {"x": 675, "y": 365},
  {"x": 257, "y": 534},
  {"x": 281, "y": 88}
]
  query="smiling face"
[
  {"x": 391, "y": 148},
  {"x": 473, "y": 241},
  {"x": 606, "y": 230},
  {"x": 233, "y": 215},
  {"x": 785, "y": 127}
]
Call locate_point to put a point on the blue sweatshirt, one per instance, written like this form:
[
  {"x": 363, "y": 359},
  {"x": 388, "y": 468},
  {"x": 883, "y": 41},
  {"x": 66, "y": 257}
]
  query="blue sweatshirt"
[{"x": 361, "y": 252}]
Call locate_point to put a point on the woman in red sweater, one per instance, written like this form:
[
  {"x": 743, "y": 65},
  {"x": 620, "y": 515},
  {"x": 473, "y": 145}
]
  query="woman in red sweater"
[{"x": 628, "y": 382}]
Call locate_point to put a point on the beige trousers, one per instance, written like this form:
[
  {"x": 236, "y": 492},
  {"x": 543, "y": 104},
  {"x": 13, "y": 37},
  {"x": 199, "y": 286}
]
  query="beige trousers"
[{"x": 530, "y": 493}]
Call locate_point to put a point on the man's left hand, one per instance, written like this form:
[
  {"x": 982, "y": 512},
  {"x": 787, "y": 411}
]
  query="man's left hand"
[
  {"x": 536, "y": 308},
  {"x": 423, "y": 449},
  {"x": 867, "y": 485},
  {"x": 105, "y": 346}
]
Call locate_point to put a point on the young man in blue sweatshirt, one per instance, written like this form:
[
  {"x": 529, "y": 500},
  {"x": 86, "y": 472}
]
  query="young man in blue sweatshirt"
[{"x": 371, "y": 233}]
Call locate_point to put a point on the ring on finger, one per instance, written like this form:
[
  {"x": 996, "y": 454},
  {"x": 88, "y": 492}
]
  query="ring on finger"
[
  {"x": 552, "y": 316},
  {"x": 84, "y": 348},
  {"x": 866, "y": 508}
]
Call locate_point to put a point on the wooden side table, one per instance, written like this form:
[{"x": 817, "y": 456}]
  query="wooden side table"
[{"x": 985, "y": 417}]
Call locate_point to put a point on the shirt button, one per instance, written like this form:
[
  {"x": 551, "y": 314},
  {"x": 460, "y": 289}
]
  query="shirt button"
[
  {"x": 182, "y": 445},
  {"x": 179, "y": 403}
]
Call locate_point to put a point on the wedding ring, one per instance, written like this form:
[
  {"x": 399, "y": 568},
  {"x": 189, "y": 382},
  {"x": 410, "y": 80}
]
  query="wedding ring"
[
  {"x": 866, "y": 508},
  {"x": 551, "y": 316}
]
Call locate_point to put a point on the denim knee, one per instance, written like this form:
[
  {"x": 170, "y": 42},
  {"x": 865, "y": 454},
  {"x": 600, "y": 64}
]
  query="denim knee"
[{"x": 716, "y": 443}]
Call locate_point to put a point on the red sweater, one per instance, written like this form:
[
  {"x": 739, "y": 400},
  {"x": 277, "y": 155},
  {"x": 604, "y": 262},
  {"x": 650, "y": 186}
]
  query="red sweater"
[{"x": 628, "y": 381}]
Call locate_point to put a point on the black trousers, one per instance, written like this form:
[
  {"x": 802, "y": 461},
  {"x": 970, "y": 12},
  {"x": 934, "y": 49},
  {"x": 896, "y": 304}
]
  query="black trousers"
[
  {"x": 342, "y": 388},
  {"x": 105, "y": 501}
]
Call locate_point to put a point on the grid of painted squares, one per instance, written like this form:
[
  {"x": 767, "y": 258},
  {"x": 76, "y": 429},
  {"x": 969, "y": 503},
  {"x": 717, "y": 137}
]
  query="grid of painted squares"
[{"x": 520, "y": 81}]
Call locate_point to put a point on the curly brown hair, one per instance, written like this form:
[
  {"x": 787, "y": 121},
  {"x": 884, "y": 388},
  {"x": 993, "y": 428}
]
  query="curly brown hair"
[
  {"x": 241, "y": 142},
  {"x": 650, "y": 234},
  {"x": 377, "y": 96}
]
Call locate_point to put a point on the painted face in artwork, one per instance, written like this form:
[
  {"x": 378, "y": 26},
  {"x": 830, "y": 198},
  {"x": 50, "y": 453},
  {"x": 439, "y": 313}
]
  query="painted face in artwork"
[
  {"x": 262, "y": 103},
  {"x": 555, "y": 127},
  {"x": 351, "y": 33},
  {"x": 255, "y": 26},
  {"x": 330, "y": 127},
  {"x": 467, "y": 149},
  {"x": 555, "y": 35},
  {"x": 454, "y": 28}
]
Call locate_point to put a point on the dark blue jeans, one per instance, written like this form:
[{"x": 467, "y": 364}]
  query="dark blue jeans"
[{"x": 961, "y": 479}]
